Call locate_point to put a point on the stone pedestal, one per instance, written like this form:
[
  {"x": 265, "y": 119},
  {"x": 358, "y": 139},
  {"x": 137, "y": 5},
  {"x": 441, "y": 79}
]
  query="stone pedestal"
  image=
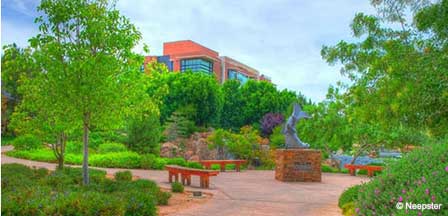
[{"x": 302, "y": 165}]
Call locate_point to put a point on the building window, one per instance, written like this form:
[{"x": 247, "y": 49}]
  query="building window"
[
  {"x": 196, "y": 65},
  {"x": 234, "y": 74}
]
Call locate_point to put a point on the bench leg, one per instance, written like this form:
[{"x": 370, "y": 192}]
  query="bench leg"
[
  {"x": 188, "y": 179},
  {"x": 205, "y": 182},
  {"x": 353, "y": 172},
  {"x": 223, "y": 167},
  {"x": 176, "y": 177},
  {"x": 183, "y": 178},
  {"x": 170, "y": 177},
  {"x": 237, "y": 167},
  {"x": 370, "y": 173},
  {"x": 208, "y": 166}
]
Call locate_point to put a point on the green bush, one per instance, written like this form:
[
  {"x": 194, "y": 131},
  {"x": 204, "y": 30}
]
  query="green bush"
[
  {"x": 328, "y": 169},
  {"x": 141, "y": 203},
  {"x": 27, "y": 191},
  {"x": 111, "y": 147},
  {"x": 195, "y": 165},
  {"x": 177, "y": 187},
  {"x": 421, "y": 176},
  {"x": 349, "y": 195},
  {"x": 27, "y": 142},
  {"x": 116, "y": 160},
  {"x": 73, "y": 147},
  {"x": 218, "y": 167},
  {"x": 123, "y": 175},
  {"x": 176, "y": 161},
  {"x": 160, "y": 163},
  {"x": 144, "y": 133},
  {"x": 348, "y": 209},
  {"x": 147, "y": 161}
]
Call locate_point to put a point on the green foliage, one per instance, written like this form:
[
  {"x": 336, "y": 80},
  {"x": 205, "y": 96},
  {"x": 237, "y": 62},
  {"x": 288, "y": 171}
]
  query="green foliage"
[
  {"x": 349, "y": 195},
  {"x": 73, "y": 147},
  {"x": 28, "y": 191},
  {"x": 179, "y": 124},
  {"x": 398, "y": 76},
  {"x": 243, "y": 145},
  {"x": 177, "y": 187},
  {"x": 277, "y": 139},
  {"x": 116, "y": 160},
  {"x": 195, "y": 165},
  {"x": 123, "y": 175},
  {"x": 144, "y": 132},
  {"x": 27, "y": 142},
  {"x": 111, "y": 147},
  {"x": 198, "y": 90},
  {"x": 7, "y": 140},
  {"x": 348, "y": 209},
  {"x": 147, "y": 161},
  {"x": 233, "y": 105},
  {"x": 421, "y": 176}
]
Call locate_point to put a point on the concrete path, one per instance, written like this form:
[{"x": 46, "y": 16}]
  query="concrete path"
[{"x": 249, "y": 192}]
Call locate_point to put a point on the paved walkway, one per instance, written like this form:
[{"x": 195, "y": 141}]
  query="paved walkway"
[{"x": 250, "y": 192}]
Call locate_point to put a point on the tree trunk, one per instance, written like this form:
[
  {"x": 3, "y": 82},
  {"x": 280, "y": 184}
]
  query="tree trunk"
[{"x": 85, "y": 162}]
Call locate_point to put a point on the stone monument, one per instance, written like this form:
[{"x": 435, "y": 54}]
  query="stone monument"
[{"x": 296, "y": 162}]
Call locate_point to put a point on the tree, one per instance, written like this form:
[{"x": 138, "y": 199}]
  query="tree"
[
  {"x": 16, "y": 66},
  {"x": 269, "y": 122},
  {"x": 233, "y": 105},
  {"x": 200, "y": 91},
  {"x": 398, "y": 75},
  {"x": 144, "y": 130},
  {"x": 85, "y": 47}
]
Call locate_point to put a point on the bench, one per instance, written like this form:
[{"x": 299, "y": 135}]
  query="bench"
[
  {"x": 222, "y": 163},
  {"x": 186, "y": 173},
  {"x": 370, "y": 169}
]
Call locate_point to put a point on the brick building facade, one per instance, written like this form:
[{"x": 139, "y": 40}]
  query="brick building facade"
[{"x": 186, "y": 55}]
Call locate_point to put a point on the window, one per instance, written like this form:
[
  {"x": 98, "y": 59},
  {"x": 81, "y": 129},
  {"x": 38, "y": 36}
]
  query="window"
[
  {"x": 196, "y": 65},
  {"x": 234, "y": 74}
]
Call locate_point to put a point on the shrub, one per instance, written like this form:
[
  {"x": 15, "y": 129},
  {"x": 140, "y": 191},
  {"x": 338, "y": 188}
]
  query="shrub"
[
  {"x": 269, "y": 122},
  {"x": 116, "y": 160},
  {"x": 194, "y": 165},
  {"x": 349, "y": 195},
  {"x": 277, "y": 138},
  {"x": 348, "y": 209},
  {"x": 73, "y": 147},
  {"x": 160, "y": 163},
  {"x": 147, "y": 161},
  {"x": 27, "y": 142},
  {"x": 38, "y": 155},
  {"x": 176, "y": 161},
  {"x": 162, "y": 197},
  {"x": 326, "y": 168},
  {"x": 144, "y": 133},
  {"x": 111, "y": 147},
  {"x": 177, "y": 187},
  {"x": 141, "y": 203},
  {"x": 123, "y": 176},
  {"x": 421, "y": 176},
  {"x": 86, "y": 203}
]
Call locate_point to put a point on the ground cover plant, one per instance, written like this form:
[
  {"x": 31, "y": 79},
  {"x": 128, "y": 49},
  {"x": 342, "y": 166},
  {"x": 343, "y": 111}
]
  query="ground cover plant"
[
  {"x": 27, "y": 191},
  {"x": 420, "y": 177}
]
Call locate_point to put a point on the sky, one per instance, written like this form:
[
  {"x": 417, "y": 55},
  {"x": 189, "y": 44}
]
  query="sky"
[{"x": 280, "y": 38}]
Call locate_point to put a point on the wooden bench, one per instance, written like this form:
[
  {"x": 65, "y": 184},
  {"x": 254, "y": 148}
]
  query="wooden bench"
[
  {"x": 370, "y": 169},
  {"x": 222, "y": 163},
  {"x": 186, "y": 173}
]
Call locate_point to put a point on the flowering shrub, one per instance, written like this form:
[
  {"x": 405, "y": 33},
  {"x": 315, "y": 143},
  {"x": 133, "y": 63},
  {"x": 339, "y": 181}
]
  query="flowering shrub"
[
  {"x": 420, "y": 177},
  {"x": 269, "y": 122}
]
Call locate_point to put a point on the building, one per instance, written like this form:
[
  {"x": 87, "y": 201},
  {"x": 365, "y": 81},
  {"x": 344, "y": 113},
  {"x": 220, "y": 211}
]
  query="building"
[{"x": 180, "y": 56}]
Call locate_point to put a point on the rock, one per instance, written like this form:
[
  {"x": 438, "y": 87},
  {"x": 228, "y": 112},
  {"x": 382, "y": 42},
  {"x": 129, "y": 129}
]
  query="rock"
[{"x": 194, "y": 158}]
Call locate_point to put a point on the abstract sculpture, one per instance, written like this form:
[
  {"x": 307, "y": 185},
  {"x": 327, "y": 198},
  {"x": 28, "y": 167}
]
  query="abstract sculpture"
[{"x": 291, "y": 138}]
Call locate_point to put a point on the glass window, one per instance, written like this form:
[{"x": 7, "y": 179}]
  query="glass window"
[
  {"x": 234, "y": 74},
  {"x": 196, "y": 65}
]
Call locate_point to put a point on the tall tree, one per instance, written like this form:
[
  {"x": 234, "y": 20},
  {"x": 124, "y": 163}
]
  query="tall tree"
[
  {"x": 85, "y": 47},
  {"x": 398, "y": 71}
]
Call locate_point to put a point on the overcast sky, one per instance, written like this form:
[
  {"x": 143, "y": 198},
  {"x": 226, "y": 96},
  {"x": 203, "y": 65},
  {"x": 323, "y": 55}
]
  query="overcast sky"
[{"x": 280, "y": 38}]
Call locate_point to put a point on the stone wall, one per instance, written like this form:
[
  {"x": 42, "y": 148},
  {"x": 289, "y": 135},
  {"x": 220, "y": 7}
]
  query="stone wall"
[{"x": 302, "y": 165}]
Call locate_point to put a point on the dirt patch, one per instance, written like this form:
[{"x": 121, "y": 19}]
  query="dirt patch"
[{"x": 181, "y": 201}]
